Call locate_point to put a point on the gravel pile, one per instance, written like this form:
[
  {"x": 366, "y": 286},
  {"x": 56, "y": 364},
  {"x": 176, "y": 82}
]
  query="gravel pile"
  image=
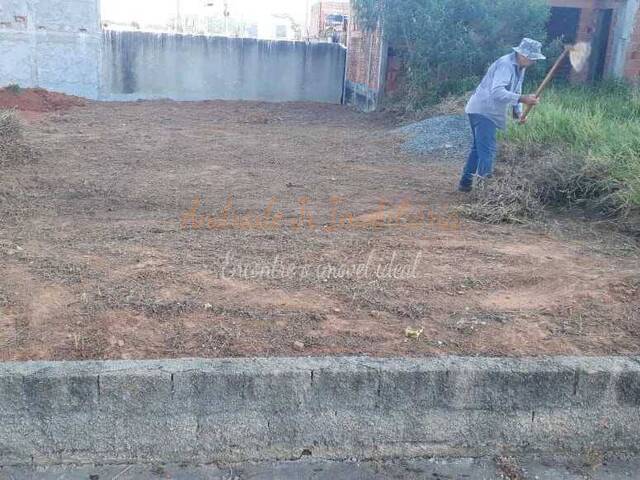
[{"x": 448, "y": 133}]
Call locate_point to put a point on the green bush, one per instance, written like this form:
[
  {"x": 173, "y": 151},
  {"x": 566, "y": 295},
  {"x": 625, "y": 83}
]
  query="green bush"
[{"x": 447, "y": 45}]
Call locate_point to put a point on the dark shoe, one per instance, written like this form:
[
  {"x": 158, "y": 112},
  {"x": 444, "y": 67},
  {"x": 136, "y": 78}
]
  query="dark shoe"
[{"x": 464, "y": 188}]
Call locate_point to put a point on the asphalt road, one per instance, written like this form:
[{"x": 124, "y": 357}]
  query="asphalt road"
[{"x": 313, "y": 469}]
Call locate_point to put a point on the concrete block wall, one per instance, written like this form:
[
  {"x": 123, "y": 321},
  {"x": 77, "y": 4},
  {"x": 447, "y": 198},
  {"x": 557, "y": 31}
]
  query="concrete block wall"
[
  {"x": 266, "y": 409},
  {"x": 54, "y": 44}
]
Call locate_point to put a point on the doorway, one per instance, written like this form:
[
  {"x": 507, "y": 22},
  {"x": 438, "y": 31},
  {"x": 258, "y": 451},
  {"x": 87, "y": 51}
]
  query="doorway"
[
  {"x": 563, "y": 25},
  {"x": 602, "y": 25}
]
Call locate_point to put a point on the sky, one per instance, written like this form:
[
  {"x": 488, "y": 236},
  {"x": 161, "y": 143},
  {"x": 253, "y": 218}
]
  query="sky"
[{"x": 150, "y": 12}]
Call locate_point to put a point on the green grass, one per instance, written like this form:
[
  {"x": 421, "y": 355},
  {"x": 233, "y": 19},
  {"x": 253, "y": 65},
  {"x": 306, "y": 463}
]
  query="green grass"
[{"x": 597, "y": 129}]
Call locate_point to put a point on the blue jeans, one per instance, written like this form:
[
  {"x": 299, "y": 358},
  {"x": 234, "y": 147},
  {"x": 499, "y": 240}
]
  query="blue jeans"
[{"x": 483, "y": 151}]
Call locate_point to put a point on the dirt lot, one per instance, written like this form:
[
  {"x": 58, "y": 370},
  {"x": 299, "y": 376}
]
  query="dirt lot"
[{"x": 162, "y": 229}]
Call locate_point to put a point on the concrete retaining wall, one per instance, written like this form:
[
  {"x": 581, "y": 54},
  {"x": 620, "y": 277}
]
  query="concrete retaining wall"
[
  {"x": 185, "y": 67},
  {"x": 259, "y": 409}
]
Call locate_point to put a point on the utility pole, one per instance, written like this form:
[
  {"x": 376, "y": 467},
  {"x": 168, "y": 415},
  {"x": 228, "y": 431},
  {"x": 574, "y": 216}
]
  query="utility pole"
[
  {"x": 208, "y": 16},
  {"x": 306, "y": 18},
  {"x": 178, "y": 25},
  {"x": 226, "y": 18}
]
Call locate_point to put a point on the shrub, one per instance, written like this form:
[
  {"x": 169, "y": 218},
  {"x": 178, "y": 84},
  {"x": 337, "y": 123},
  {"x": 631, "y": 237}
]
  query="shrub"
[
  {"x": 446, "y": 45},
  {"x": 14, "y": 88}
]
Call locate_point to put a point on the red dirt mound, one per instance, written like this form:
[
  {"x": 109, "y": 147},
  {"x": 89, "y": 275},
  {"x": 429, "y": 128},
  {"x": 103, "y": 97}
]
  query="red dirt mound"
[{"x": 37, "y": 100}]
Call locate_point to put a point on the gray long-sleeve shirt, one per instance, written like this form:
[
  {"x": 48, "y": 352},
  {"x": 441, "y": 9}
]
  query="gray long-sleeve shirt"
[{"x": 500, "y": 88}]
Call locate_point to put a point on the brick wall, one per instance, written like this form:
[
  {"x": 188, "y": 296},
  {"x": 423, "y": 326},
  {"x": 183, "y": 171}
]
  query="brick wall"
[
  {"x": 364, "y": 59},
  {"x": 366, "y": 67},
  {"x": 321, "y": 9}
]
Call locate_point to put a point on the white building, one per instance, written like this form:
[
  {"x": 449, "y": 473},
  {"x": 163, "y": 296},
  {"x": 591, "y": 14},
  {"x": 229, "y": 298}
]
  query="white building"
[{"x": 266, "y": 19}]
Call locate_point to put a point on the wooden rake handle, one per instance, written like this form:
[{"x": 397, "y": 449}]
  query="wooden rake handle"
[{"x": 546, "y": 81}]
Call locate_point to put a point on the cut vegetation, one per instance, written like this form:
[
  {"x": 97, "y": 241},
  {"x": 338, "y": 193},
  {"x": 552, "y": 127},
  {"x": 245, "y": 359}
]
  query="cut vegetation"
[
  {"x": 13, "y": 148},
  {"x": 10, "y": 136},
  {"x": 581, "y": 148}
]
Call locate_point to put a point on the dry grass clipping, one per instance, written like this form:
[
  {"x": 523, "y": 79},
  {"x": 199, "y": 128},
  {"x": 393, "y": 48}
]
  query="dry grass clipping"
[
  {"x": 507, "y": 199},
  {"x": 14, "y": 153},
  {"x": 529, "y": 179},
  {"x": 10, "y": 133},
  {"x": 450, "y": 105},
  {"x": 10, "y": 136},
  {"x": 509, "y": 467},
  {"x": 398, "y": 106},
  {"x": 12, "y": 147}
]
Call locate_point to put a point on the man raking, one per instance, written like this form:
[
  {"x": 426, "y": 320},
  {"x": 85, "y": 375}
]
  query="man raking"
[{"x": 500, "y": 89}]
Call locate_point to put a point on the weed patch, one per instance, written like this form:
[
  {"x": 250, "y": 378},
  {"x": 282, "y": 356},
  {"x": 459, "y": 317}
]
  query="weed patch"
[{"x": 581, "y": 148}]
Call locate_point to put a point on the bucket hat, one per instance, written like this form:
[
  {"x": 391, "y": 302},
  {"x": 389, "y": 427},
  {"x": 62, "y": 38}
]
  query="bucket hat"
[{"x": 532, "y": 49}]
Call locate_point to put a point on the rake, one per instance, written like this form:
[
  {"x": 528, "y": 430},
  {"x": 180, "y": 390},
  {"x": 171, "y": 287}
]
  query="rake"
[{"x": 578, "y": 56}]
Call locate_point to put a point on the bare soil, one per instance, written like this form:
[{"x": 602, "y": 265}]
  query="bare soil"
[
  {"x": 163, "y": 229},
  {"x": 37, "y": 100}
]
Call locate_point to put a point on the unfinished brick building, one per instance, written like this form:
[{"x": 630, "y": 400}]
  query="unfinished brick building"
[
  {"x": 611, "y": 26},
  {"x": 367, "y": 65},
  {"x": 328, "y": 18}
]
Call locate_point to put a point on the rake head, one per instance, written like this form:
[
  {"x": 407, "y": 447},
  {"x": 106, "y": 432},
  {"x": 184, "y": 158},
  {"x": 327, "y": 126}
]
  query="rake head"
[{"x": 579, "y": 54}]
